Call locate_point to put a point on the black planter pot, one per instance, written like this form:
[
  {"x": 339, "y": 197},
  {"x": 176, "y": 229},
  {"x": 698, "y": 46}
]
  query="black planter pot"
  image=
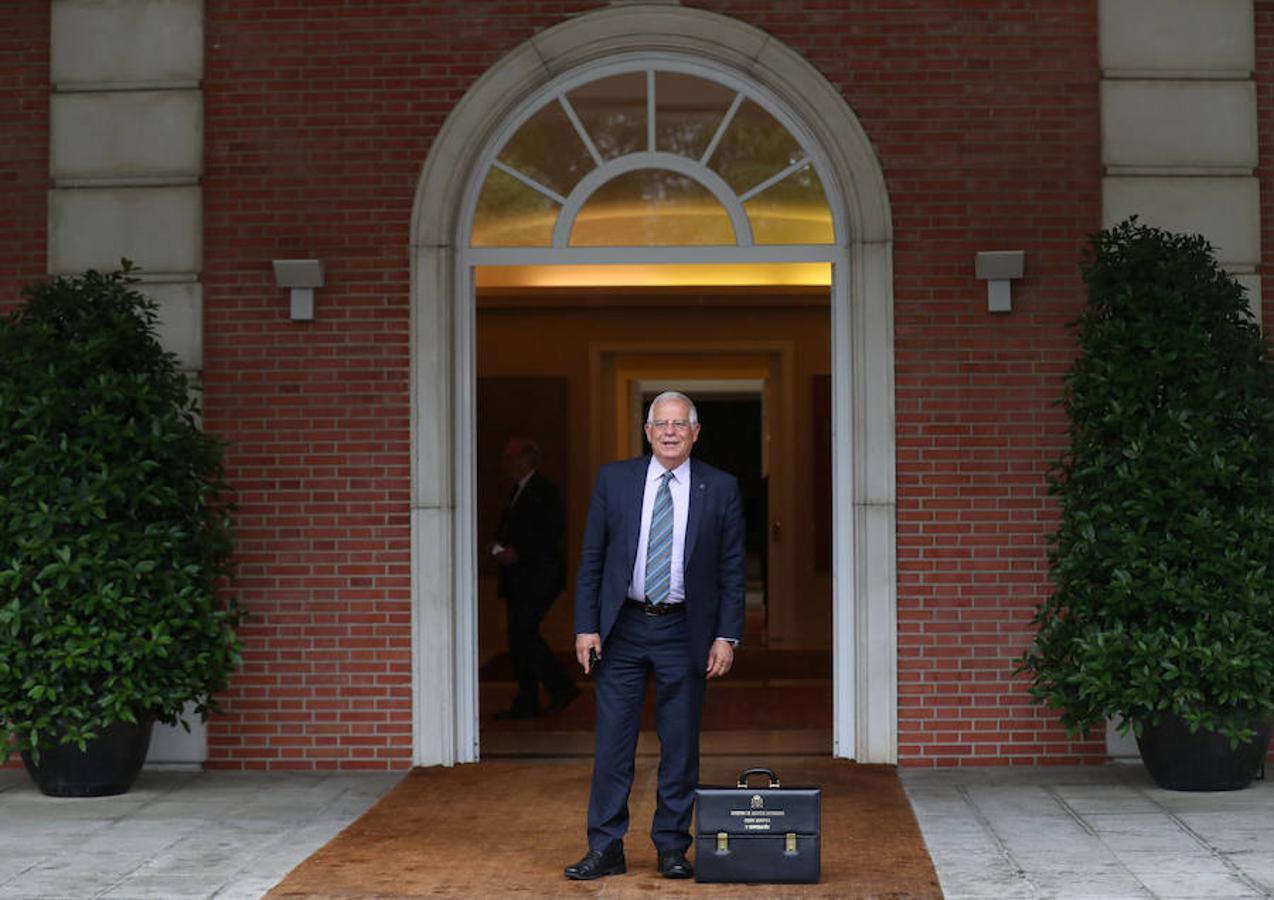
[
  {"x": 108, "y": 765},
  {"x": 1181, "y": 760}
]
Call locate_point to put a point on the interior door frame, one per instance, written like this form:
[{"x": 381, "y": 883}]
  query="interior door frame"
[{"x": 614, "y": 367}]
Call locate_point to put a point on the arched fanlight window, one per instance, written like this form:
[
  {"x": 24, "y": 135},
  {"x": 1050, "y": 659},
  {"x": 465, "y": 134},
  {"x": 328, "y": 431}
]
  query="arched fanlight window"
[{"x": 651, "y": 157}]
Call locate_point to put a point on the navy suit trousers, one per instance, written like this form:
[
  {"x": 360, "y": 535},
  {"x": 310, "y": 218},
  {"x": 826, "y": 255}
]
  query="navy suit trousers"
[{"x": 637, "y": 647}]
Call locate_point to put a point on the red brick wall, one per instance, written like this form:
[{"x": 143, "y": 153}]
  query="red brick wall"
[
  {"x": 24, "y": 152},
  {"x": 1264, "y": 77},
  {"x": 319, "y": 118},
  {"x": 24, "y": 146}
]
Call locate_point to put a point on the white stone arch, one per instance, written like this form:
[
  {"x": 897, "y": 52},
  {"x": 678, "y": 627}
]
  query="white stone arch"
[{"x": 444, "y": 627}]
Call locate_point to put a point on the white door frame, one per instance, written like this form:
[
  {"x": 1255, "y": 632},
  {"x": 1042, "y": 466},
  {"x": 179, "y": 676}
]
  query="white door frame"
[{"x": 443, "y": 560}]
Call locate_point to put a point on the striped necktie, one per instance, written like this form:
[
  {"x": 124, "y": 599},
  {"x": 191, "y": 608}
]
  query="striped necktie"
[{"x": 659, "y": 544}]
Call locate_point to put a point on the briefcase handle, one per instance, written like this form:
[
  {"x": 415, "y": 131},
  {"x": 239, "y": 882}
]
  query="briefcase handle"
[{"x": 759, "y": 770}]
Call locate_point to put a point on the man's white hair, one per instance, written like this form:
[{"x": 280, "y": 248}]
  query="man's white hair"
[{"x": 672, "y": 395}]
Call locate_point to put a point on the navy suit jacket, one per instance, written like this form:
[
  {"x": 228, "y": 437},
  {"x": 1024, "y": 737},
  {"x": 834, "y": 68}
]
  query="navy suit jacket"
[{"x": 715, "y": 576}]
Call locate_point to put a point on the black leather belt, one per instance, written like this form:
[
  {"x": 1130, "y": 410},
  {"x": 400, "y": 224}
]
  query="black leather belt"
[{"x": 655, "y": 609}]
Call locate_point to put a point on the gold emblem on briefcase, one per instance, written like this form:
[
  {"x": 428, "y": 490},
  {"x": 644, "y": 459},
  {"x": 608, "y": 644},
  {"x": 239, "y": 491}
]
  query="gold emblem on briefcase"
[{"x": 758, "y": 802}]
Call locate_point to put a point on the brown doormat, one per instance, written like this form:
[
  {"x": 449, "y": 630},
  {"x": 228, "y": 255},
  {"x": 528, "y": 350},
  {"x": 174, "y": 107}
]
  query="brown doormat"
[{"x": 508, "y": 827}]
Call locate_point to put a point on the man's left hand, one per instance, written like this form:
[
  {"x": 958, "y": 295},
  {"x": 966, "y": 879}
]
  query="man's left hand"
[{"x": 720, "y": 658}]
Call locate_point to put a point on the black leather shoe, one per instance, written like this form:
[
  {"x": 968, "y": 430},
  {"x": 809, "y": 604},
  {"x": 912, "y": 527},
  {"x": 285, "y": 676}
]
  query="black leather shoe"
[
  {"x": 598, "y": 863},
  {"x": 515, "y": 713},
  {"x": 673, "y": 864},
  {"x": 561, "y": 701}
]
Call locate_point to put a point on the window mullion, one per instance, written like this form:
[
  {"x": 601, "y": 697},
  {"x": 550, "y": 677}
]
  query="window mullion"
[
  {"x": 775, "y": 179},
  {"x": 579, "y": 129},
  {"x": 721, "y": 129},
  {"x": 650, "y": 110},
  {"x": 530, "y": 182}
]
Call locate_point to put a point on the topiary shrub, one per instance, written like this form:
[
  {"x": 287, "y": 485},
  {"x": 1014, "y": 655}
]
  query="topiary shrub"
[
  {"x": 115, "y": 530},
  {"x": 1164, "y": 591}
]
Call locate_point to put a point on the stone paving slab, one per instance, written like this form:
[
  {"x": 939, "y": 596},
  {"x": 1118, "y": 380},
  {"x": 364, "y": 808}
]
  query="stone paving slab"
[
  {"x": 1096, "y": 831},
  {"x": 176, "y": 835}
]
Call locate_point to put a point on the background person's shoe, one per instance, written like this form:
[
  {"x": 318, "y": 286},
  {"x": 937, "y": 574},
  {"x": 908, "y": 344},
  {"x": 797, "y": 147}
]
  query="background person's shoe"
[
  {"x": 598, "y": 863},
  {"x": 561, "y": 701},
  {"x": 514, "y": 713},
  {"x": 673, "y": 864}
]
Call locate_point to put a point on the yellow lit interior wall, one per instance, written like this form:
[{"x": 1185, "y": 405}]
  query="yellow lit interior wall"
[{"x": 735, "y": 274}]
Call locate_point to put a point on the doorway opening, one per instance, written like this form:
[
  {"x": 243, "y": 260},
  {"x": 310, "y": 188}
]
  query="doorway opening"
[{"x": 575, "y": 370}]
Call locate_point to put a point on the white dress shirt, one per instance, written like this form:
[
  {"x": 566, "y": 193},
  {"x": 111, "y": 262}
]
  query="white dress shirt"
[
  {"x": 521, "y": 487},
  {"x": 679, "y": 486}
]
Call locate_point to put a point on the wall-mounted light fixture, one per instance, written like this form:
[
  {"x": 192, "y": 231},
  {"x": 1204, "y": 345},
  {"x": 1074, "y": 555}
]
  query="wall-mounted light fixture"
[
  {"x": 998, "y": 268},
  {"x": 302, "y": 276}
]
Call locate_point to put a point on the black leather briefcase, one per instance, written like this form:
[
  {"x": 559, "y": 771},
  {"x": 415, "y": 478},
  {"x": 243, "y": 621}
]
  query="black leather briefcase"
[{"x": 757, "y": 835}]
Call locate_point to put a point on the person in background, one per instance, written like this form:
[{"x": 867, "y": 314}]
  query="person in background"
[{"x": 528, "y": 549}]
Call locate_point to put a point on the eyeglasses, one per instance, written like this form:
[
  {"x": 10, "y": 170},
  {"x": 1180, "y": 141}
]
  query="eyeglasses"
[{"x": 675, "y": 424}]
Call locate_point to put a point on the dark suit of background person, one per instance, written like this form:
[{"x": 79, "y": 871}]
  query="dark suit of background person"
[
  {"x": 682, "y": 648},
  {"x": 528, "y": 547}
]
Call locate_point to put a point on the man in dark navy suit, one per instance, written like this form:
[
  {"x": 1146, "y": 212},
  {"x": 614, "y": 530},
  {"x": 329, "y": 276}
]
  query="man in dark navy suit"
[
  {"x": 660, "y": 591},
  {"x": 528, "y": 548}
]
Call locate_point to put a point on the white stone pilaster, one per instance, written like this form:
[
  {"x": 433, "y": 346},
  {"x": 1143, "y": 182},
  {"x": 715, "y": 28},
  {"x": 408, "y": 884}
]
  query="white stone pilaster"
[
  {"x": 126, "y": 150},
  {"x": 125, "y": 159},
  {"x": 1179, "y": 137}
]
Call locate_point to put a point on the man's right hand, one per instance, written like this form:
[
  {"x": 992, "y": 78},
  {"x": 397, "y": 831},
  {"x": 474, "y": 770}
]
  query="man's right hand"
[{"x": 585, "y": 643}]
